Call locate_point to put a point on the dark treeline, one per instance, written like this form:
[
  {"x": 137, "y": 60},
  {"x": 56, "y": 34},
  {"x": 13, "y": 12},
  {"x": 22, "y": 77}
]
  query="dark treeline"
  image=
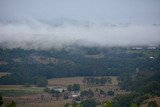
[
  {"x": 141, "y": 82},
  {"x": 142, "y": 86},
  {"x": 25, "y": 65},
  {"x": 96, "y": 80}
]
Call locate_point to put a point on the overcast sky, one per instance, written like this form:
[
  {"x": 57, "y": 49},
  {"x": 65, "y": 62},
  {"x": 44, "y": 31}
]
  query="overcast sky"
[
  {"x": 142, "y": 18},
  {"x": 112, "y": 11}
]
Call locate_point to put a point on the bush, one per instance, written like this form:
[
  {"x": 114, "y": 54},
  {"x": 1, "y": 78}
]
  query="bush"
[
  {"x": 12, "y": 104},
  {"x": 76, "y": 87},
  {"x": 133, "y": 105},
  {"x": 46, "y": 89},
  {"x": 88, "y": 94},
  {"x": 68, "y": 105},
  {"x": 152, "y": 104},
  {"x": 1, "y": 100},
  {"x": 110, "y": 93},
  {"x": 89, "y": 103},
  {"x": 41, "y": 81},
  {"x": 69, "y": 88},
  {"x": 27, "y": 85},
  {"x": 107, "y": 104}
]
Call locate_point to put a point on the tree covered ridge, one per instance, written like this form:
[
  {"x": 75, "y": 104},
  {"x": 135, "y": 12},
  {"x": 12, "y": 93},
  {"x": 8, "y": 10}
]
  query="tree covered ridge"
[
  {"x": 25, "y": 65},
  {"x": 141, "y": 86}
]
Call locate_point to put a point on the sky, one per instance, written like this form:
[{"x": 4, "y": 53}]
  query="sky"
[{"x": 58, "y": 23}]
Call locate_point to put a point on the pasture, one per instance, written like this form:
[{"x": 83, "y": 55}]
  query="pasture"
[
  {"x": 73, "y": 80},
  {"x": 35, "y": 96},
  {"x": 45, "y": 104},
  {"x": 19, "y": 90},
  {"x": 79, "y": 80}
]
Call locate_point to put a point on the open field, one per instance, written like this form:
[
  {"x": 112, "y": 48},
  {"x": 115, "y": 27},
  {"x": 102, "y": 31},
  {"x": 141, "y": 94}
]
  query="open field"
[
  {"x": 45, "y": 104},
  {"x": 37, "y": 100},
  {"x": 19, "y": 90},
  {"x": 35, "y": 97},
  {"x": 78, "y": 80},
  {"x": 65, "y": 81},
  {"x": 73, "y": 80}
]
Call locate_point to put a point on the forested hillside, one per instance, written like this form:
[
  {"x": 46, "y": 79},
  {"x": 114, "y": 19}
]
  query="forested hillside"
[{"x": 26, "y": 66}]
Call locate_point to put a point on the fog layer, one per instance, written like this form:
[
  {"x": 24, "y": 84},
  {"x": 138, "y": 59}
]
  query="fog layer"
[{"x": 40, "y": 35}]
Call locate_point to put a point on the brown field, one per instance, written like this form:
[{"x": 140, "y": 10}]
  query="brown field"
[
  {"x": 65, "y": 81},
  {"x": 73, "y": 80},
  {"x": 44, "y": 104},
  {"x": 35, "y": 101}
]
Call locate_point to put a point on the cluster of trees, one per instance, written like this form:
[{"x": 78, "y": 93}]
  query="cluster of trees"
[
  {"x": 55, "y": 94},
  {"x": 74, "y": 87},
  {"x": 12, "y": 104},
  {"x": 142, "y": 82},
  {"x": 110, "y": 93},
  {"x": 17, "y": 78},
  {"x": 86, "y": 99},
  {"x": 142, "y": 86},
  {"x": 87, "y": 94},
  {"x": 129, "y": 100},
  {"x": 96, "y": 80},
  {"x": 40, "y": 81},
  {"x": 152, "y": 104},
  {"x": 126, "y": 100},
  {"x": 89, "y": 103}
]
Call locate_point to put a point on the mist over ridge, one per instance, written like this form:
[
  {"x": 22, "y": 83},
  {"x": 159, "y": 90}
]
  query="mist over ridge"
[
  {"x": 36, "y": 34},
  {"x": 57, "y": 24}
]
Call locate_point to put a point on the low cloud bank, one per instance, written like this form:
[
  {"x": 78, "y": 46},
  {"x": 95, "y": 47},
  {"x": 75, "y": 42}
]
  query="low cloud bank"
[{"x": 40, "y": 35}]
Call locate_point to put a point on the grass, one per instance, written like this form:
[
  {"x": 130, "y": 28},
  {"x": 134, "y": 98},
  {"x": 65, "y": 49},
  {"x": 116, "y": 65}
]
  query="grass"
[
  {"x": 65, "y": 81},
  {"x": 19, "y": 90},
  {"x": 45, "y": 104},
  {"x": 73, "y": 80},
  {"x": 29, "y": 96},
  {"x": 78, "y": 80}
]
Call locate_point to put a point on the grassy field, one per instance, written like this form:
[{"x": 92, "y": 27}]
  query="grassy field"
[
  {"x": 35, "y": 101},
  {"x": 32, "y": 96},
  {"x": 45, "y": 104},
  {"x": 78, "y": 80},
  {"x": 19, "y": 90}
]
